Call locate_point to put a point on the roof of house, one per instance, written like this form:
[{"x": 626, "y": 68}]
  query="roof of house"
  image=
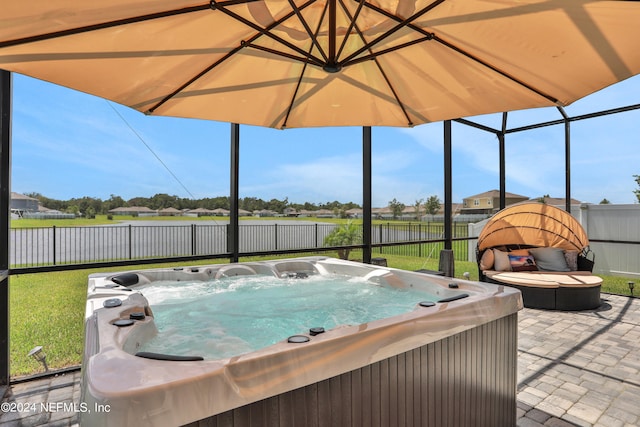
[
  {"x": 18, "y": 196},
  {"x": 553, "y": 201},
  {"x": 132, "y": 209},
  {"x": 170, "y": 210},
  {"x": 495, "y": 194},
  {"x": 201, "y": 210}
]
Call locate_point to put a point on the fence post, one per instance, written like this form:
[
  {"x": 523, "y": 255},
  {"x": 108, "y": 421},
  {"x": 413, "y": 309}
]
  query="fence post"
[
  {"x": 380, "y": 233},
  {"x": 275, "y": 235},
  {"x": 193, "y": 239},
  {"x": 316, "y": 234},
  {"x": 54, "y": 245},
  {"x": 130, "y": 243},
  {"x": 420, "y": 238}
]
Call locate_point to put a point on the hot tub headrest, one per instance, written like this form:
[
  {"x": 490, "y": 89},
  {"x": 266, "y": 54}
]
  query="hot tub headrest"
[
  {"x": 235, "y": 270},
  {"x": 126, "y": 279},
  {"x": 298, "y": 269}
]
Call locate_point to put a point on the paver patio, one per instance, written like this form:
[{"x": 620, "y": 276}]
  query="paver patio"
[{"x": 574, "y": 369}]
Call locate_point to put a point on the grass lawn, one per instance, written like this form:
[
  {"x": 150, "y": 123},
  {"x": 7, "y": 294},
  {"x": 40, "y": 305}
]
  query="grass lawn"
[
  {"x": 47, "y": 309},
  {"x": 102, "y": 220}
]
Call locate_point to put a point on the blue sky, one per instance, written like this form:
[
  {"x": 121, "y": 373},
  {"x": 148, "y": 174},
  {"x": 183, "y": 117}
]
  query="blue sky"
[{"x": 67, "y": 144}]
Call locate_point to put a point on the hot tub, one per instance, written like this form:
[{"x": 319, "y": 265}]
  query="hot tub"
[{"x": 448, "y": 360}]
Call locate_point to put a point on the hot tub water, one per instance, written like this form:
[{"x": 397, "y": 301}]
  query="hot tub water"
[{"x": 235, "y": 315}]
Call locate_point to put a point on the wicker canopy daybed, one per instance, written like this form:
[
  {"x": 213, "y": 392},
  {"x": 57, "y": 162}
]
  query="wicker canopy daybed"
[{"x": 544, "y": 252}]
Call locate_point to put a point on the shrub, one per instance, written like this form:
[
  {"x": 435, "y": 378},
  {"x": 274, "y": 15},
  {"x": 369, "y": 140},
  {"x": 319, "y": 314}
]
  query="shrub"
[{"x": 344, "y": 235}]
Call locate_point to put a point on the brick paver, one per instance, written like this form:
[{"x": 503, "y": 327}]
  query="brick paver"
[{"x": 585, "y": 362}]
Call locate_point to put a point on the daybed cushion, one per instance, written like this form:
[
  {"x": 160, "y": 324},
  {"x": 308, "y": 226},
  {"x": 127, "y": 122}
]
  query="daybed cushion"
[
  {"x": 501, "y": 261},
  {"x": 546, "y": 280},
  {"x": 550, "y": 259},
  {"x": 486, "y": 262}
]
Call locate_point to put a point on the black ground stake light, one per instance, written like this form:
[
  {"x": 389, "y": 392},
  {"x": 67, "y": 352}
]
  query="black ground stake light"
[{"x": 631, "y": 286}]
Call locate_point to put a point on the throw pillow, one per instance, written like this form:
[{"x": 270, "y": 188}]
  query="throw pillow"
[
  {"x": 550, "y": 259},
  {"x": 572, "y": 259},
  {"x": 486, "y": 262},
  {"x": 501, "y": 261},
  {"x": 522, "y": 263}
]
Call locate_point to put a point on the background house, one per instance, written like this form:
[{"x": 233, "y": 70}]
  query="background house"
[
  {"x": 200, "y": 212},
  {"x": 488, "y": 202},
  {"x": 170, "y": 212},
  {"x": 557, "y": 202},
  {"x": 20, "y": 204},
  {"x": 134, "y": 210}
]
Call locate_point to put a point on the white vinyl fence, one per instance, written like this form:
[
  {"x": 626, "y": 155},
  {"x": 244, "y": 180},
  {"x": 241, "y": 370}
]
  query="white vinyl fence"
[{"x": 614, "y": 235}]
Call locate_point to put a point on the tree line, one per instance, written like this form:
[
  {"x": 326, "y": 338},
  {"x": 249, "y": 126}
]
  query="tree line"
[
  {"x": 93, "y": 205},
  {"x": 90, "y": 206},
  {"x": 430, "y": 206}
]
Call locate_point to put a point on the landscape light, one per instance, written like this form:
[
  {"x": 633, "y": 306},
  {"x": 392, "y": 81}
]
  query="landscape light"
[
  {"x": 39, "y": 355},
  {"x": 631, "y": 286}
]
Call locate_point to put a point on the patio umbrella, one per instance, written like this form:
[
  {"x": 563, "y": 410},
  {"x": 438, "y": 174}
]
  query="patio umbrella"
[{"x": 305, "y": 63}]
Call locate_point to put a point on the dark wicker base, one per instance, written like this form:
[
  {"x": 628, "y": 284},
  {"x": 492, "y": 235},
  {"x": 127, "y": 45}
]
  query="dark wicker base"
[{"x": 562, "y": 298}]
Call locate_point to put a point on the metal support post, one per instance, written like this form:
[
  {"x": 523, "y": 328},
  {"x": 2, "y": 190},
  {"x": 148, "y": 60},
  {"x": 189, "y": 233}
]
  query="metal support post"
[
  {"x": 366, "y": 194},
  {"x": 503, "y": 170},
  {"x": 5, "y": 218},
  {"x": 233, "y": 241}
]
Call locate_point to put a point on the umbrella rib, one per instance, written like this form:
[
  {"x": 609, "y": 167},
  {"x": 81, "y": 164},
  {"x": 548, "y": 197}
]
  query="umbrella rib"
[
  {"x": 395, "y": 94},
  {"x": 293, "y": 98},
  {"x": 196, "y": 77},
  {"x": 428, "y": 36},
  {"x": 304, "y": 69},
  {"x": 396, "y": 18},
  {"x": 495, "y": 69},
  {"x": 305, "y": 60},
  {"x": 373, "y": 57},
  {"x": 235, "y": 2},
  {"x": 401, "y": 24},
  {"x": 266, "y": 31},
  {"x": 224, "y": 58},
  {"x": 352, "y": 24},
  {"x": 313, "y": 37},
  {"x": 102, "y": 25},
  {"x": 432, "y": 36}
]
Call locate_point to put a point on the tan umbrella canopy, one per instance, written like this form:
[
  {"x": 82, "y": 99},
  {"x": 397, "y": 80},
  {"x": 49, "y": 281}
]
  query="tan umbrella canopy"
[
  {"x": 533, "y": 224},
  {"x": 299, "y": 63}
]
